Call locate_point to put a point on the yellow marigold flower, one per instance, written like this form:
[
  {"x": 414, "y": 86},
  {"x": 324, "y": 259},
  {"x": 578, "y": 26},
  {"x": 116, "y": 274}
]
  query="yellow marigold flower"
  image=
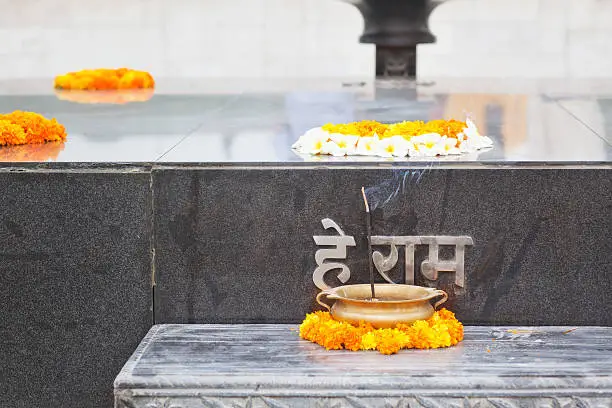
[
  {"x": 423, "y": 337},
  {"x": 369, "y": 341},
  {"x": 390, "y": 341},
  {"x": 454, "y": 327},
  {"x": 11, "y": 134},
  {"x": 444, "y": 314},
  {"x": 352, "y": 337},
  {"x": 388, "y": 345},
  {"x": 443, "y": 337},
  {"x": 332, "y": 336}
]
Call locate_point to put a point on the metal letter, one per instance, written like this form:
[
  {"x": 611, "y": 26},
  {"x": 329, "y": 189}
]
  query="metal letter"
[
  {"x": 431, "y": 266},
  {"x": 385, "y": 263},
  {"x": 340, "y": 243}
]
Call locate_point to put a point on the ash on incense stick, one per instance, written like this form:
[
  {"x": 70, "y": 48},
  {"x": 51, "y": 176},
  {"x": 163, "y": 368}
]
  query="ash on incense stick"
[{"x": 369, "y": 231}]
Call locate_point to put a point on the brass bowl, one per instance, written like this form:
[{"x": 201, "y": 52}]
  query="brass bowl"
[{"x": 394, "y": 303}]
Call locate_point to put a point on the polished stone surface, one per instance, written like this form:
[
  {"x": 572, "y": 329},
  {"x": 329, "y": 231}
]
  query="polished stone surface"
[
  {"x": 75, "y": 273},
  {"x": 595, "y": 113},
  {"x": 270, "y": 366},
  {"x": 204, "y": 122},
  {"x": 236, "y": 245}
]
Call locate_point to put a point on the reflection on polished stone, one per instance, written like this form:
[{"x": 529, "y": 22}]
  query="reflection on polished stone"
[
  {"x": 118, "y": 97},
  {"x": 126, "y": 148},
  {"x": 40, "y": 152},
  {"x": 512, "y": 110},
  {"x": 596, "y": 113},
  {"x": 259, "y": 127},
  {"x": 466, "y": 157}
]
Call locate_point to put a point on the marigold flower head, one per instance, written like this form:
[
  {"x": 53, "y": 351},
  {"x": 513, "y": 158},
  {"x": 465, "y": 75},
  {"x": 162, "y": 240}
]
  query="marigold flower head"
[
  {"x": 390, "y": 341},
  {"x": 11, "y": 134},
  {"x": 369, "y": 341},
  {"x": 441, "y": 330}
]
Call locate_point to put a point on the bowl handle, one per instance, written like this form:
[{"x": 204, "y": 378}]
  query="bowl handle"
[
  {"x": 442, "y": 293},
  {"x": 329, "y": 295}
]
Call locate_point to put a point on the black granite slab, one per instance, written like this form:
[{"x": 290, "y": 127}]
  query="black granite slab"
[
  {"x": 235, "y": 245},
  {"x": 75, "y": 273}
]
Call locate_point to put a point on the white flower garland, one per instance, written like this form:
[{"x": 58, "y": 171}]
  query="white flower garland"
[{"x": 317, "y": 141}]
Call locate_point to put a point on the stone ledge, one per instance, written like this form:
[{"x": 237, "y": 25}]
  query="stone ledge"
[{"x": 270, "y": 366}]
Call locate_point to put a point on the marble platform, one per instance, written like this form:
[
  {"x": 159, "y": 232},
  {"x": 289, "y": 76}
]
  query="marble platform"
[{"x": 220, "y": 366}]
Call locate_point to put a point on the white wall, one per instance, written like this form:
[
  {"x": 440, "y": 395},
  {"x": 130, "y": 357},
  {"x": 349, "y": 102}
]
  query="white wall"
[
  {"x": 520, "y": 38},
  {"x": 298, "y": 38}
]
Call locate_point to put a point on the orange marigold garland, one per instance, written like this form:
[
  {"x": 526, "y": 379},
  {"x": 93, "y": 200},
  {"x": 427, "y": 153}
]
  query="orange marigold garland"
[
  {"x": 20, "y": 128},
  {"x": 441, "y": 330},
  {"x": 366, "y": 128},
  {"x": 105, "y": 80}
]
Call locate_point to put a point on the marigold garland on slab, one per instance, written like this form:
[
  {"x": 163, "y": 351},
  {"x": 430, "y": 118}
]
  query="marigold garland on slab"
[
  {"x": 415, "y": 139},
  {"x": 105, "y": 79},
  {"x": 441, "y": 330},
  {"x": 20, "y": 128}
]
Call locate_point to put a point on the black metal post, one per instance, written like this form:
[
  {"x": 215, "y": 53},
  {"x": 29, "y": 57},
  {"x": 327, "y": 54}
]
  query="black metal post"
[{"x": 396, "y": 27}]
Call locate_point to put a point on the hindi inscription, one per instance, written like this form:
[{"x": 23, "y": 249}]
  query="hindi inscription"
[{"x": 430, "y": 267}]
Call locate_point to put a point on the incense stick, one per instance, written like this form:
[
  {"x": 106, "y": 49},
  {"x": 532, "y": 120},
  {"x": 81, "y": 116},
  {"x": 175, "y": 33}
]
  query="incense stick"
[{"x": 369, "y": 230}]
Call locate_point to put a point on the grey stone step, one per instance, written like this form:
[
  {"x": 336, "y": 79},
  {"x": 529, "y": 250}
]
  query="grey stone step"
[{"x": 270, "y": 366}]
